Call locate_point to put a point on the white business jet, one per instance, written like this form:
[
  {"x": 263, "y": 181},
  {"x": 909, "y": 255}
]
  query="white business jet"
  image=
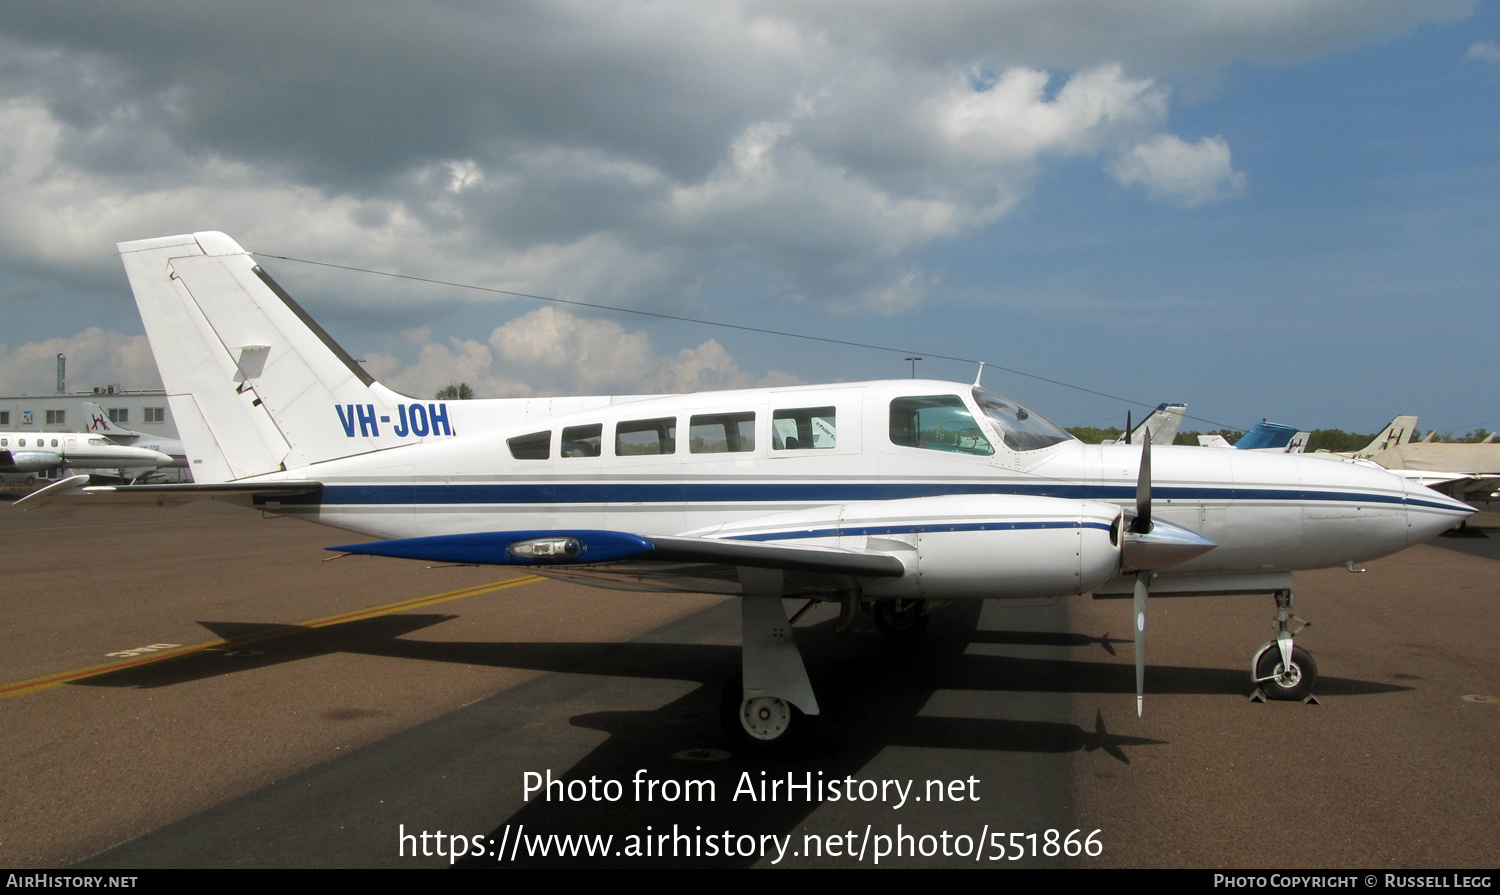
[
  {"x": 24, "y": 452},
  {"x": 881, "y": 495}
]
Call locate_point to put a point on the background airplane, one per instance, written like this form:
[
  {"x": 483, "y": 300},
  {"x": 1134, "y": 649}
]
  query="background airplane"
[
  {"x": 1159, "y": 427},
  {"x": 23, "y": 452},
  {"x": 1263, "y": 436},
  {"x": 99, "y": 423},
  {"x": 1466, "y": 472},
  {"x": 891, "y": 496}
]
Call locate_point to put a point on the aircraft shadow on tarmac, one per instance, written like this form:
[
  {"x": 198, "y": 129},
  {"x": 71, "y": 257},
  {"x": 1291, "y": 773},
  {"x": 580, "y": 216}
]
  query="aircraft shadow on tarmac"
[
  {"x": 874, "y": 695},
  {"x": 1473, "y": 539},
  {"x": 842, "y": 668}
]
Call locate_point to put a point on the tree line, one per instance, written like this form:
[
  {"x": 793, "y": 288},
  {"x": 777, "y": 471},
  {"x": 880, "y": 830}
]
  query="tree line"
[{"x": 1336, "y": 440}]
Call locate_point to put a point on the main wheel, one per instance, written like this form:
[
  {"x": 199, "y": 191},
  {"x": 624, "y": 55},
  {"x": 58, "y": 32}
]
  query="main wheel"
[
  {"x": 900, "y": 619},
  {"x": 1289, "y": 683},
  {"x": 760, "y": 724}
]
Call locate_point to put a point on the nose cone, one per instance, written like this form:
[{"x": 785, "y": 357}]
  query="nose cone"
[
  {"x": 163, "y": 459},
  {"x": 1429, "y": 513}
]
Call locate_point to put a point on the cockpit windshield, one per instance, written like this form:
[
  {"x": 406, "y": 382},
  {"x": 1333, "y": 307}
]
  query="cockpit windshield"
[{"x": 1021, "y": 429}]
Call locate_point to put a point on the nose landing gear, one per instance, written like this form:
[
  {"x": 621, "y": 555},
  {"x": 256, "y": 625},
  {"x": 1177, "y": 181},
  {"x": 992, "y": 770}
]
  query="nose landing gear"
[{"x": 1282, "y": 670}]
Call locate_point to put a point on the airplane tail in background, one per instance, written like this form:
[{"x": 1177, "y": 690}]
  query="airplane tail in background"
[
  {"x": 100, "y": 424},
  {"x": 253, "y": 382},
  {"x": 1266, "y": 435},
  {"x": 1161, "y": 426},
  {"x": 1397, "y": 433}
]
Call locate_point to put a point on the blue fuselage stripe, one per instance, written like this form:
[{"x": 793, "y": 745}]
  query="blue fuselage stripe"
[{"x": 543, "y": 493}]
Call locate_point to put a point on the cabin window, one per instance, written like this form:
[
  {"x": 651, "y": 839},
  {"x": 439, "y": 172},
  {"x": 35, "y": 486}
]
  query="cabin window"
[
  {"x": 54, "y": 442},
  {"x": 937, "y": 423},
  {"x": 4, "y": 442},
  {"x": 528, "y": 447},
  {"x": 803, "y": 429},
  {"x": 582, "y": 441},
  {"x": 637, "y": 438},
  {"x": 721, "y": 433}
]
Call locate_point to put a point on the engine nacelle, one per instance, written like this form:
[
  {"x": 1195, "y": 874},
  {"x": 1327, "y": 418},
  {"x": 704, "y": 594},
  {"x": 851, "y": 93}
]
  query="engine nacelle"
[
  {"x": 29, "y": 461},
  {"x": 955, "y": 546}
]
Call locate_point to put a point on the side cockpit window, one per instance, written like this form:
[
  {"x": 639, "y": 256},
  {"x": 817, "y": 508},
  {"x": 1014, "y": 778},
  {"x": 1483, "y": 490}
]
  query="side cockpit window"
[
  {"x": 803, "y": 429},
  {"x": 531, "y": 447},
  {"x": 937, "y": 423}
]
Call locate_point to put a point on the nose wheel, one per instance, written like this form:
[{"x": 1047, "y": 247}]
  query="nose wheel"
[
  {"x": 1281, "y": 670},
  {"x": 1285, "y": 680}
]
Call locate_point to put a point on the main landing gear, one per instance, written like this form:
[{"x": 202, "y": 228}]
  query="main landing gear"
[
  {"x": 900, "y": 619},
  {"x": 1282, "y": 670},
  {"x": 765, "y": 708},
  {"x": 768, "y": 706}
]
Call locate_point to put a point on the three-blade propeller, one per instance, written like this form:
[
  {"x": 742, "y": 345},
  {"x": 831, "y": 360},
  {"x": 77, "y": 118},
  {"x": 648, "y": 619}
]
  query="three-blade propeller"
[{"x": 1147, "y": 545}]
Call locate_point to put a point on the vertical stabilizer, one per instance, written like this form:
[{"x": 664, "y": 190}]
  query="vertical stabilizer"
[
  {"x": 1398, "y": 432},
  {"x": 1161, "y": 426},
  {"x": 256, "y": 387}
]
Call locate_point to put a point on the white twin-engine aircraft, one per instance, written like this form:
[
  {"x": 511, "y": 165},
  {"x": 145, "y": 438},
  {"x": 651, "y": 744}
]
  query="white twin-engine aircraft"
[{"x": 888, "y": 496}]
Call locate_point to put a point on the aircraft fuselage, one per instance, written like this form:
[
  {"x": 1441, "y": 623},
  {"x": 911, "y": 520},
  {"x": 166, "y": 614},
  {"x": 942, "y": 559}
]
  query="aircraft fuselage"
[{"x": 643, "y": 465}]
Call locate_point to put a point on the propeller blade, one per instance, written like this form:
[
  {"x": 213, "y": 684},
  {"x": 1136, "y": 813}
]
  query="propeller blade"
[
  {"x": 1139, "y": 607},
  {"x": 1142, "y": 523}
]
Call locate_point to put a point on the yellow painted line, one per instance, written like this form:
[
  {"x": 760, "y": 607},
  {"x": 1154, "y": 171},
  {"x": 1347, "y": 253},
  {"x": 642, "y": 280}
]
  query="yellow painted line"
[{"x": 270, "y": 633}]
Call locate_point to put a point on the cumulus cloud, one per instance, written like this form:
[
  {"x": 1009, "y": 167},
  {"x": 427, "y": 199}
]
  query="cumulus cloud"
[
  {"x": 1185, "y": 174},
  {"x": 551, "y": 351},
  {"x": 94, "y": 356},
  {"x": 1484, "y": 51},
  {"x": 633, "y": 153}
]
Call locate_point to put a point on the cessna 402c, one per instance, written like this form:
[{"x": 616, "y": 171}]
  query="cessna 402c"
[{"x": 887, "y": 496}]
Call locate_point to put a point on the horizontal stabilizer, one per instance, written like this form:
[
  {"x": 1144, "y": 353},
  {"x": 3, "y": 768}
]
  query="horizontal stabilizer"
[
  {"x": 75, "y": 490},
  {"x": 53, "y": 491}
]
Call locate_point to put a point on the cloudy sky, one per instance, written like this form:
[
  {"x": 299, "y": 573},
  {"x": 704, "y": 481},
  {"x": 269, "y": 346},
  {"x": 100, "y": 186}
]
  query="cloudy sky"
[{"x": 1264, "y": 209}]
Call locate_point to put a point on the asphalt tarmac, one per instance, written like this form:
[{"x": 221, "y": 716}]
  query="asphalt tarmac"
[{"x": 198, "y": 687}]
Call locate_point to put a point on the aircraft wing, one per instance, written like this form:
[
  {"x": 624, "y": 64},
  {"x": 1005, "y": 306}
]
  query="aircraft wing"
[{"x": 623, "y": 560}]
